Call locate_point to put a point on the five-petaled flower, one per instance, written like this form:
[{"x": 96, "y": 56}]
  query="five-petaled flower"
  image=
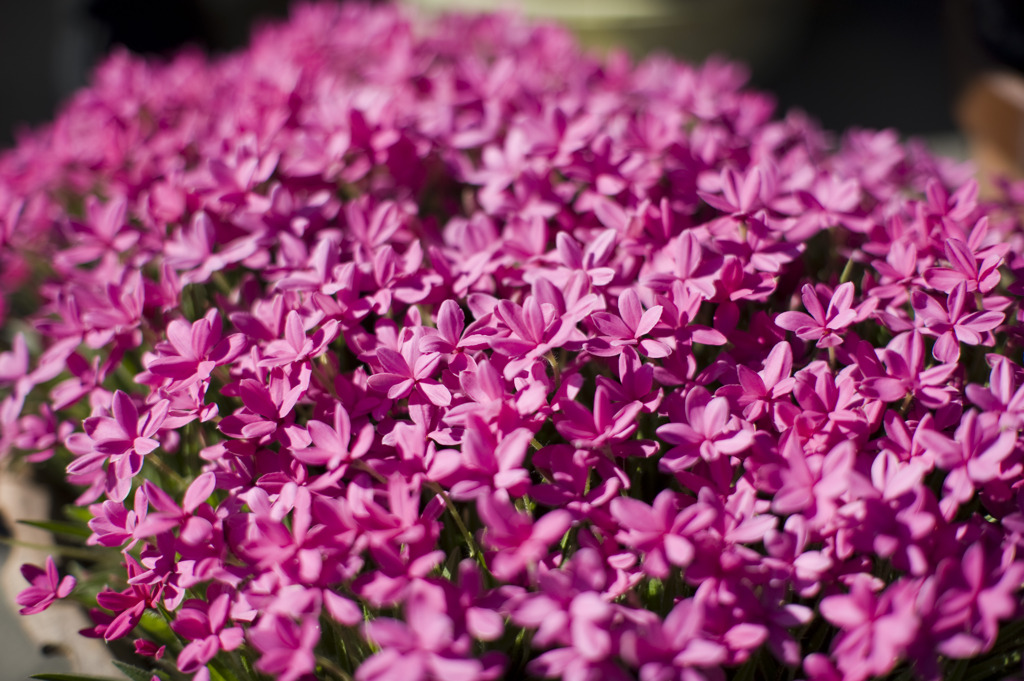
[
  {"x": 47, "y": 587},
  {"x": 824, "y": 324}
]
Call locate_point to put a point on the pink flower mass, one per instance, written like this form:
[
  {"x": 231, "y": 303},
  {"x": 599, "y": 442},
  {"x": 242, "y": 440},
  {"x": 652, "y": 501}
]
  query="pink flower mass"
[{"x": 403, "y": 349}]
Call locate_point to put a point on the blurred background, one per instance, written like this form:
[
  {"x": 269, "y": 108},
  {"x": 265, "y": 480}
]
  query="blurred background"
[
  {"x": 869, "y": 63},
  {"x": 873, "y": 63}
]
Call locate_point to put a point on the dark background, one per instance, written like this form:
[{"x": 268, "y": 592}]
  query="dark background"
[{"x": 871, "y": 63}]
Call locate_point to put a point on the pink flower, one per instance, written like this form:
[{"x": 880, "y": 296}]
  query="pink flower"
[
  {"x": 332, "y": 446},
  {"x": 121, "y": 442},
  {"x": 203, "y": 623},
  {"x": 905, "y": 374},
  {"x": 47, "y": 587},
  {"x": 192, "y": 352},
  {"x": 519, "y": 542},
  {"x": 533, "y": 330},
  {"x": 296, "y": 346},
  {"x": 876, "y": 629},
  {"x": 813, "y": 483},
  {"x": 409, "y": 370},
  {"x": 427, "y": 646},
  {"x": 757, "y": 392},
  {"x": 975, "y": 456},
  {"x": 491, "y": 461},
  {"x": 952, "y": 324},
  {"x": 607, "y": 425},
  {"x": 627, "y": 329},
  {"x": 824, "y": 324},
  {"x": 1003, "y": 398},
  {"x": 899, "y": 272},
  {"x": 663, "y": 531},
  {"x": 965, "y": 267},
  {"x": 703, "y": 429},
  {"x": 285, "y": 646}
]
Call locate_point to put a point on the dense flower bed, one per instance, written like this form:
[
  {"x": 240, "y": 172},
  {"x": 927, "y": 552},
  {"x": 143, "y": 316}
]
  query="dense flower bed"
[{"x": 401, "y": 350}]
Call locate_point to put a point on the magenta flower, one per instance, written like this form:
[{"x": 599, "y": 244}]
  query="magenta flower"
[
  {"x": 899, "y": 272},
  {"x": 332, "y": 446},
  {"x": 592, "y": 647},
  {"x": 47, "y": 587},
  {"x": 905, "y": 374},
  {"x": 451, "y": 322},
  {"x": 409, "y": 370},
  {"x": 193, "y": 518},
  {"x": 192, "y": 352},
  {"x": 830, "y": 201},
  {"x": 127, "y": 606},
  {"x": 663, "y": 532},
  {"x": 876, "y": 629},
  {"x": 593, "y": 260},
  {"x": 965, "y": 268},
  {"x": 979, "y": 594},
  {"x": 425, "y": 647},
  {"x": 974, "y": 456},
  {"x": 813, "y": 483},
  {"x": 286, "y": 646},
  {"x": 952, "y": 324},
  {"x": 519, "y": 542},
  {"x": 569, "y": 470},
  {"x": 824, "y": 324},
  {"x": 121, "y": 442},
  {"x": 702, "y": 429},
  {"x": 678, "y": 647},
  {"x": 635, "y": 383},
  {"x": 742, "y": 194},
  {"x": 203, "y": 623},
  {"x": 757, "y": 392},
  {"x": 533, "y": 330},
  {"x": 198, "y": 251},
  {"x": 14, "y": 365},
  {"x": 296, "y": 346},
  {"x": 627, "y": 329},
  {"x": 683, "y": 260},
  {"x": 607, "y": 425},
  {"x": 267, "y": 406},
  {"x": 1003, "y": 398},
  {"x": 491, "y": 461}
]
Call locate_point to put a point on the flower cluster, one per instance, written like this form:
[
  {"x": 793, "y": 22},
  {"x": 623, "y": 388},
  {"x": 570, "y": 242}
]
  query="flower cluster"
[{"x": 403, "y": 350}]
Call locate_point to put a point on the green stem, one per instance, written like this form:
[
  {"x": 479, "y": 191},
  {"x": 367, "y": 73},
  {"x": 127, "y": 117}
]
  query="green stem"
[
  {"x": 907, "y": 401},
  {"x": 333, "y": 669},
  {"x": 79, "y": 552},
  {"x": 162, "y": 466},
  {"x": 366, "y": 468},
  {"x": 474, "y": 549},
  {"x": 554, "y": 367},
  {"x": 847, "y": 271}
]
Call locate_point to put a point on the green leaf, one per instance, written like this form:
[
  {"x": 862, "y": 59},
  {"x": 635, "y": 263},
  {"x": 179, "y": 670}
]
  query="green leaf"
[
  {"x": 133, "y": 673},
  {"x": 219, "y": 672},
  {"x": 72, "y": 677},
  {"x": 59, "y": 527},
  {"x": 77, "y": 513},
  {"x": 154, "y": 624},
  {"x": 80, "y": 552}
]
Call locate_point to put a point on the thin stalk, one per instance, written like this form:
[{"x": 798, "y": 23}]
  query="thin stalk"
[
  {"x": 333, "y": 669},
  {"x": 847, "y": 271},
  {"x": 475, "y": 551},
  {"x": 555, "y": 366}
]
